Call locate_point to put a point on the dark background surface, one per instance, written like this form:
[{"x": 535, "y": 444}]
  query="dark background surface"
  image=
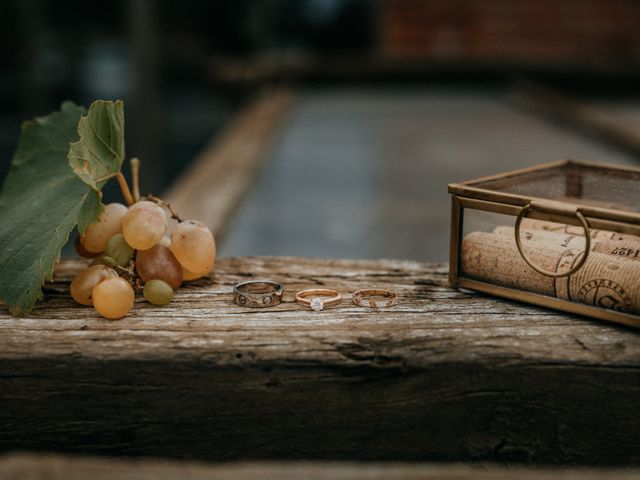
[
  {"x": 416, "y": 86},
  {"x": 160, "y": 57}
]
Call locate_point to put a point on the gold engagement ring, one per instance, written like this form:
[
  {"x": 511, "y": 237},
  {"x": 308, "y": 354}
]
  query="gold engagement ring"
[{"x": 317, "y": 302}]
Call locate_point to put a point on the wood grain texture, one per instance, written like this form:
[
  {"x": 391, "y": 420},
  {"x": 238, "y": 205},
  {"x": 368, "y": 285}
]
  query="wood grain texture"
[
  {"x": 444, "y": 375},
  {"x": 223, "y": 172},
  {"x": 56, "y": 467}
]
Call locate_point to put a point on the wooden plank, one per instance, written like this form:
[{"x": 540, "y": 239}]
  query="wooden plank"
[
  {"x": 444, "y": 376},
  {"x": 215, "y": 184},
  {"x": 56, "y": 467}
]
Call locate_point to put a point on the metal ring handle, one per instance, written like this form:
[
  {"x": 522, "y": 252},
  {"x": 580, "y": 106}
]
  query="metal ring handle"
[{"x": 575, "y": 268}]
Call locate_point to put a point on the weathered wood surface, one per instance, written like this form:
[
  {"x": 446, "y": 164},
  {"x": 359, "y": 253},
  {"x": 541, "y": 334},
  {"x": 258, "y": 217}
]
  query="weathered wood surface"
[
  {"x": 444, "y": 376},
  {"x": 56, "y": 467},
  {"x": 223, "y": 172}
]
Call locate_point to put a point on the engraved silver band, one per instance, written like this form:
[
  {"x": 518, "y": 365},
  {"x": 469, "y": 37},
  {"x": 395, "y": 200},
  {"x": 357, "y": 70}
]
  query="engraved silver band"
[{"x": 258, "y": 293}]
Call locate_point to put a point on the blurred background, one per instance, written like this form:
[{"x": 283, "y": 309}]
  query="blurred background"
[{"x": 388, "y": 101}]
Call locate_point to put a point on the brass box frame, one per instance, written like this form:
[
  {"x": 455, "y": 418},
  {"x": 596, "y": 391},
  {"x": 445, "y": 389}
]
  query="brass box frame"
[{"x": 469, "y": 195}]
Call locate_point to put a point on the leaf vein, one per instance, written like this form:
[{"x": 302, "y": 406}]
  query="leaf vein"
[{"x": 115, "y": 155}]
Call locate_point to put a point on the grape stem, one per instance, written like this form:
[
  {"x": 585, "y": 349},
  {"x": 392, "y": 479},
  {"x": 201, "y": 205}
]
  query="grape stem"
[
  {"x": 134, "y": 280},
  {"x": 166, "y": 205},
  {"x": 128, "y": 271},
  {"x": 126, "y": 193},
  {"x": 135, "y": 175}
]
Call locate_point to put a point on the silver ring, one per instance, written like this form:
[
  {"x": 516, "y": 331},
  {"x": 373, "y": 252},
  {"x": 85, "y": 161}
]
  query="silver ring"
[{"x": 258, "y": 293}]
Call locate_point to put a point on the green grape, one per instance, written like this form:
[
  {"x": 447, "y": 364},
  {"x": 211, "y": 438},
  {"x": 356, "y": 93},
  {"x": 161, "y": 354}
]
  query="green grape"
[
  {"x": 108, "y": 261},
  {"x": 113, "y": 297},
  {"x": 83, "y": 283},
  {"x": 109, "y": 223},
  {"x": 159, "y": 263},
  {"x": 119, "y": 250},
  {"x": 194, "y": 246},
  {"x": 144, "y": 225},
  {"x": 158, "y": 292}
]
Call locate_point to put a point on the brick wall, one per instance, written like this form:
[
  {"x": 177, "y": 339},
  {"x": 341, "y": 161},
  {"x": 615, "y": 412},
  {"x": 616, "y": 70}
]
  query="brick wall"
[{"x": 537, "y": 32}]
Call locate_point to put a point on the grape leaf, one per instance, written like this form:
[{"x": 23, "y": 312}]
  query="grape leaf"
[
  {"x": 43, "y": 198},
  {"x": 99, "y": 153},
  {"x": 39, "y": 206}
]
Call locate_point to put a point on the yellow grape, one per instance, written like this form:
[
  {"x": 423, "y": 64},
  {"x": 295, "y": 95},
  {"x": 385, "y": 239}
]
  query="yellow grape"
[
  {"x": 193, "y": 245},
  {"x": 109, "y": 223},
  {"x": 83, "y": 252},
  {"x": 83, "y": 283},
  {"x": 188, "y": 275},
  {"x": 144, "y": 225},
  {"x": 113, "y": 297}
]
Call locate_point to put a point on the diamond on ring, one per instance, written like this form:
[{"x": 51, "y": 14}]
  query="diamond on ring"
[
  {"x": 318, "y": 298},
  {"x": 316, "y": 305}
]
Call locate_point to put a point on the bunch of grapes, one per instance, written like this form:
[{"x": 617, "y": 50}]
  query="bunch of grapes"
[{"x": 132, "y": 251}]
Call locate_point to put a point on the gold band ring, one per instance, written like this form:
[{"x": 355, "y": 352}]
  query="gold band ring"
[
  {"x": 362, "y": 298},
  {"x": 318, "y": 304}
]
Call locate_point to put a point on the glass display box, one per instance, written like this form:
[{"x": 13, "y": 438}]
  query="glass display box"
[{"x": 564, "y": 235}]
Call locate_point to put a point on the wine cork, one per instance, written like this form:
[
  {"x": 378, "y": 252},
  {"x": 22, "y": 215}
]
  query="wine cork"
[
  {"x": 495, "y": 259},
  {"x": 599, "y": 235},
  {"x": 617, "y": 248},
  {"x": 604, "y": 280}
]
